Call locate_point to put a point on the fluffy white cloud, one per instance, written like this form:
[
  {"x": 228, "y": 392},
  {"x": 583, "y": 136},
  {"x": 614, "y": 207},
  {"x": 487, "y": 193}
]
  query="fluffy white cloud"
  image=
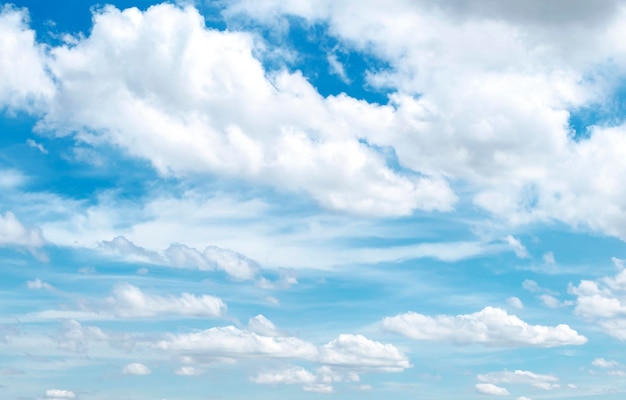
[
  {"x": 352, "y": 351},
  {"x": 76, "y": 338},
  {"x": 538, "y": 381},
  {"x": 208, "y": 106},
  {"x": 602, "y": 363},
  {"x": 178, "y": 255},
  {"x": 296, "y": 375},
  {"x": 320, "y": 382},
  {"x": 129, "y": 301},
  {"x": 13, "y": 233},
  {"x": 25, "y": 83},
  {"x": 604, "y": 301},
  {"x": 136, "y": 369},
  {"x": 38, "y": 284},
  {"x": 491, "y": 389},
  {"x": 515, "y": 302},
  {"x": 187, "y": 371},
  {"x": 490, "y": 326},
  {"x": 58, "y": 394},
  {"x": 263, "y": 326},
  {"x": 357, "y": 351},
  {"x": 495, "y": 116}
]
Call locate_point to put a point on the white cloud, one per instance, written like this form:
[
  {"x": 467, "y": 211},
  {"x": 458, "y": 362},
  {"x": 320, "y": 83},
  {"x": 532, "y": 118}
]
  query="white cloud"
[
  {"x": 225, "y": 115},
  {"x": 136, "y": 369},
  {"x": 548, "y": 258},
  {"x": 187, "y": 371},
  {"x": 37, "y": 146},
  {"x": 25, "y": 84},
  {"x": 488, "y": 388},
  {"x": 263, "y": 326},
  {"x": 495, "y": 116},
  {"x": 38, "y": 284},
  {"x": 603, "y": 301},
  {"x": 13, "y": 233},
  {"x": 490, "y": 326},
  {"x": 515, "y": 302},
  {"x": 602, "y": 363},
  {"x": 550, "y": 301},
  {"x": 178, "y": 255},
  {"x": 531, "y": 286},
  {"x": 319, "y": 388},
  {"x": 289, "y": 376},
  {"x": 360, "y": 352},
  {"x": 58, "y": 394},
  {"x": 11, "y": 179},
  {"x": 129, "y": 301},
  {"x": 538, "y": 381},
  {"x": 350, "y": 351},
  {"x": 524, "y": 398},
  {"x": 517, "y": 247}
]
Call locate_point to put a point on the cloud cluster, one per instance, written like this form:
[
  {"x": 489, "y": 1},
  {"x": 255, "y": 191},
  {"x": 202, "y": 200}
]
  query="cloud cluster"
[
  {"x": 490, "y": 327},
  {"x": 496, "y": 116},
  {"x": 234, "y": 264},
  {"x": 321, "y": 381},
  {"x": 604, "y": 301},
  {"x": 350, "y": 351},
  {"x": 59, "y": 394},
  {"x": 519, "y": 377},
  {"x": 206, "y": 105},
  {"x": 129, "y": 301}
]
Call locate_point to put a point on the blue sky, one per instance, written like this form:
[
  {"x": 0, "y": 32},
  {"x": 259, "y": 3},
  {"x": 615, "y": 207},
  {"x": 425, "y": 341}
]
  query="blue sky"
[{"x": 312, "y": 199}]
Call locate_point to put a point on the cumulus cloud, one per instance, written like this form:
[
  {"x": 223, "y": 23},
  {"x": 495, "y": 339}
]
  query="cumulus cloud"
[
  {"x": 207, "y": 114},
  {"x": 26, "y": 84},
  {"x": 353, "y": 351},
  {"x": 602, "y": 363},
  {"x": 75, "y": 337},
  {"x": 129, "y": 301},
  {"x": 234, "y": 264},
  {"x": 497, "y": 120},
  {"x": 491, "y": 389},
  {"x": 603, "y": 301},
  {"x": 59, "y": 394},
  {"x": 136, "y": 369},
  {"x": 515, "y": 302},
  {"x": 297, "y": 375},
  {"x": 490, "y": 327},
  {"x": 13, "y": 233},
  {"x": 538, "y": 381},
  {"x": 188, "y": 371},
  {"x": 38, "y": 284}
]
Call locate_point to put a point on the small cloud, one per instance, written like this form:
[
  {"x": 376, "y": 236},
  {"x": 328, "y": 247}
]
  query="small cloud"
[
  {"x": 142, "y": 271},
  {"x": 602, "y": 363},
  {"x": 515, "y": 302},
  {"x": 491, "y": 389},
  {"x": 550, "y": 301},
  {"x": 136, "y": 369},
  {"x": 37, "y": 146},
  {"x": 337, "y": 68},
  {"x": 517, "y": 247},
  {"x": 548, "y": 258},
  {"x": 58, "y": 394},
  {"x": 187, "y": 371},
  {"x": 38, "y": 284}
]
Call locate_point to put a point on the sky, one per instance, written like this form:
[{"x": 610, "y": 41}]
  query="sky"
[{"x": 298, "y": 199}]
